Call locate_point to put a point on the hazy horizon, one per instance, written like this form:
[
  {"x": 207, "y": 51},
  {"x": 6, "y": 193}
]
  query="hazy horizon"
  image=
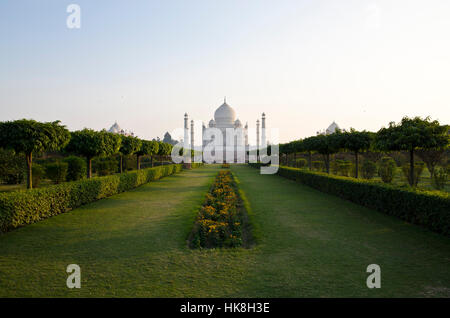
[{"x": 305, "y": 64}]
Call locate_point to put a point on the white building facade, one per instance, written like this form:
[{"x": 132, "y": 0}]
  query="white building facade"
[{"x": 226, "y": 134}]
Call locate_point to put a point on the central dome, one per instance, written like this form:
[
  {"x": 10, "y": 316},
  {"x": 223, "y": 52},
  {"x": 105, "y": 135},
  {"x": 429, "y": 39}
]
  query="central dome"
[{"x": 225, "y": 114}]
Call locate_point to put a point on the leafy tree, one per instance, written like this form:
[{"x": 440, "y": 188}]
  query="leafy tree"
[
  {"x": 327, "y": 145},
  {"x": 357, "y": 141},
  {"x": 308, "y": 146},
  {"x": 90, "y": 144},
  {"x": 149, "y": 148},
  {"x": 29, "y": 136},
  {"x": 431, "y": 157},
  {"x": 129, "y": 146},
  {"x": 410, "y": 135}
]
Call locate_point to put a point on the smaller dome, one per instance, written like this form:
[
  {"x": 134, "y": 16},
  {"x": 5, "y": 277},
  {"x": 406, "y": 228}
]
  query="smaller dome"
[
  {"x": 115, "y": 128},
  {"x": 212, "y": 123},
  {"x": 237, "y": 123},
  {"x": 332, "y": 128}
]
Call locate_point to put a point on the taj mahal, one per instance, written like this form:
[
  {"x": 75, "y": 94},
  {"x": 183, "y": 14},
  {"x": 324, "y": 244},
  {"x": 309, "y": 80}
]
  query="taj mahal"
[{"x": 229, "y": 136}]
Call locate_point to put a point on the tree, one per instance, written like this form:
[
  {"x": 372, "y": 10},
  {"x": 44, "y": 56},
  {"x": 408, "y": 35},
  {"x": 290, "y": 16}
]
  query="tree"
[
  {"x": 29, "y": 136},
  {"x": 165, "y": 149},
  {"x": 431, "y": 157},
  {"x": 410, "y": 135},
  {"x": 357, "y": 141},
  {"x": 148, "y": 148},
  {"x": 129, "y": 146},
  {"x": 308, "y": 146},
  {"x": 90, "y": 144},
  {"x": 327, "y": 145}
]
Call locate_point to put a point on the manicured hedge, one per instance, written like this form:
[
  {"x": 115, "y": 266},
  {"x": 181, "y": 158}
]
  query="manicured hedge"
[
  {"x": 24, "y": 207},
  {"x": 428, "y": 209}
]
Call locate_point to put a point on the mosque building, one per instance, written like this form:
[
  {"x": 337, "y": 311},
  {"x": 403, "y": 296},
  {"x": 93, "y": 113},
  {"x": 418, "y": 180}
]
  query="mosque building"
[{"x": 225, "y": 120}]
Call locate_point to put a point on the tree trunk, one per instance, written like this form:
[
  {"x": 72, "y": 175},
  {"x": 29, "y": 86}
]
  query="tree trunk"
[
  {"x": 310, "y": 161},
  {"x": 89, "y": 167},
  {"x": 138, "y": 162},
  {"x": 29, "y": 158},
  {"x": 327, "y": 163},
  {"x": 121, "y": 163},
  {"x": 411, "y": 166},
  {"x": 151, "y": 160},
  {"x": 356, "y": 164}
]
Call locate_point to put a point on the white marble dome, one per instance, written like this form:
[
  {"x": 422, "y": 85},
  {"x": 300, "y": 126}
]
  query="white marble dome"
[
  {"x": 225, "y": 115},
  {"x": 332, "y": 128}
]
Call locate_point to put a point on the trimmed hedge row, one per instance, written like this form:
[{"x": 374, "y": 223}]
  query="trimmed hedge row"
[
  {"x": 24, "y": 207},
  {"x": 428, "y": 209}
]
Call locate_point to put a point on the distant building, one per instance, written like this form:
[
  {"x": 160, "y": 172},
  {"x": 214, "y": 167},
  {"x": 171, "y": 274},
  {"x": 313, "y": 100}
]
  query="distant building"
[
  {"x": 115, "y": 129},
  {"x": 330, "y": 130},
  {"x": 225, "y": 119},
  {"x": 168, "y": 139}
]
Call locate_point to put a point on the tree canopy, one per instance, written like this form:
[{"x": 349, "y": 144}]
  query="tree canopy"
[{"x": 30, "y": 136}]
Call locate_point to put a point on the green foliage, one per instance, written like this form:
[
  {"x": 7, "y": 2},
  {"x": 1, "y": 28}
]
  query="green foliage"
[
  {"x": 12, "y": 167},
  {"x": 368, "y": 169},
  {"x": 428, "y": 209},
  {"x": 19, "y": 208},
  {"x": 130, "y": 145},
  {"x": 440, "y": 178},
  {"x": 387, "y": 169},
  {"x": 105, "y": 166},
  {"x": 411, "y": 134},
  {"x": 56, "y": 171},
  {"x": 344, "y": 167},
  {"x": 318, "y": 165},
  {"x": 301, "y": 163},
  {"x": 29, "y": 136},
  {"x": 76, "y": 169},
  {"x": 89, "y": 143},
  {"x": 418, "y": 168},
  {"x": 37, "y": 173}
]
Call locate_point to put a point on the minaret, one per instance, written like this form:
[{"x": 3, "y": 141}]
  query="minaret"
[
  {"x": 192, "y": 134},
  {"x": 186, "y": 132},
  {"x": 246, "y": 134},
  {"x": 257, "y": 140},
  {"x": 263, "y": 131}
]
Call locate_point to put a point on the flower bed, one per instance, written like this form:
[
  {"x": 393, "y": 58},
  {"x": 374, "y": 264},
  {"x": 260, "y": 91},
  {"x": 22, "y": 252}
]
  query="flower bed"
[{"x": 219, "y": 222}]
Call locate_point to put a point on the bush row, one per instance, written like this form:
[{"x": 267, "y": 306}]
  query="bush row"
[
  {"x": 428, "y": 209},
  {"x": 24, "y": 207}
]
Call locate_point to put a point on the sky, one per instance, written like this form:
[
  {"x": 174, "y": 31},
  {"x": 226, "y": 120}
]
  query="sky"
[{"x": 305, "y": 63}]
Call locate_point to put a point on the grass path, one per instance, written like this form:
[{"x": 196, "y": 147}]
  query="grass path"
[{"x": 134, "y": 244}]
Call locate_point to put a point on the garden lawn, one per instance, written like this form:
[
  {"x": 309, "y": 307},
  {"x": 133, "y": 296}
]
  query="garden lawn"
[{"x": 310, "y": 245}]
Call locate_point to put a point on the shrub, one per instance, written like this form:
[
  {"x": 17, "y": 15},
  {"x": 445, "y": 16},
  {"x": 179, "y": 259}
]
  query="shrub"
[
  {"x": 12, "y": 167},
  {"x": 77, "y": 168},
  {"x": 56, "y": 172},
  {"x": 318, "y": 165},
  {"x": 226, "y": 166},
  {"x": 418, "y": 168},
  {"x": 301, "y": 163},
  {"x": 368, "y": 169},
  {"x": 440, "y": 177},
  {"x": 344, "y": 167},
  {"x": 105, "y": 166},
  {"x": 37, "y": 173},
  {"x": 196, "y": 165},
  {"x": 386, "y": 169},
  {"x": 18, "y": 208},
  {"x": 425, "y": 208}
]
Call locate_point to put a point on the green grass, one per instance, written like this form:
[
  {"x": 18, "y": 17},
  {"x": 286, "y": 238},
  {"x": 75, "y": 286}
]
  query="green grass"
[{"x": 309, "y": 245}]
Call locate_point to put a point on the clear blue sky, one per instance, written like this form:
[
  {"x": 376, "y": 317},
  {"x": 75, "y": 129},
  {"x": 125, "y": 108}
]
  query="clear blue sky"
[{"x": 304, "y": 63}]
